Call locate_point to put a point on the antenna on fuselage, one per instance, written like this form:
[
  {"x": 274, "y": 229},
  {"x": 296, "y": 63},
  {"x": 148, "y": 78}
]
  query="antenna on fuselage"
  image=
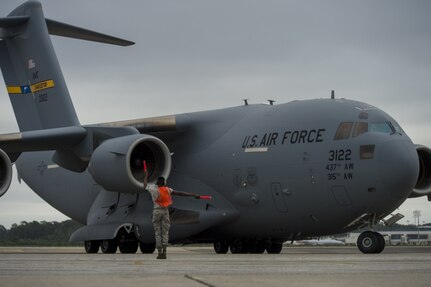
[
  {"x": 245, "y": 102},
  {"x": 271, "y": 102},
  {"x": 332, "y": 94}
]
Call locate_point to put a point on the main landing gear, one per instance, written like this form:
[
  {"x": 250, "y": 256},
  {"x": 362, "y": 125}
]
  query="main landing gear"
[
  {"x": 125, "y": 241},
  {"x": 127, "y": 246},
  {"x": 243, "y": 246},
  {"x": 371, "y": 242}
]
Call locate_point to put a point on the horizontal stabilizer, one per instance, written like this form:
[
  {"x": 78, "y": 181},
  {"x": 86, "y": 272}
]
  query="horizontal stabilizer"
[
  {"x": 62, "y": 29},
  {"x": 66, "y": 30}
]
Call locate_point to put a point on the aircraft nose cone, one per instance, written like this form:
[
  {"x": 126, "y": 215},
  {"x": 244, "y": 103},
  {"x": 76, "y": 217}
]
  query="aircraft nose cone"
[{"x": 399, "y": 167}]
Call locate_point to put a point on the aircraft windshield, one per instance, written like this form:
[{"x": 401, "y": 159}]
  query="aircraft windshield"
[
  {"x": 397, "y": 127},
  {"x": 381, "y": 128},
  {"x": 360, "y": 128},
  {"x": 344, "y": 130}
]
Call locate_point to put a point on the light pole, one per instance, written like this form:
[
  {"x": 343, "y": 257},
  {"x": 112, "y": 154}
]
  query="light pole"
[{"x": 417, "y": 214}]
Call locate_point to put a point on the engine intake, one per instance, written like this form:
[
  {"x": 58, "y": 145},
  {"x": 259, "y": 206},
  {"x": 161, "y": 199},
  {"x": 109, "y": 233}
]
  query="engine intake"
[
  {"x": 5, "y": 172},
  {"x": 117, "y": 164},
  {"x": 423, "y": 185}
]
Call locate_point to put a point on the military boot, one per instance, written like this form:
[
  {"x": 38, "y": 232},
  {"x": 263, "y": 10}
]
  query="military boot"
[
  {"x": 164, "y": 253},
  {"x": 160, "y": 255}
]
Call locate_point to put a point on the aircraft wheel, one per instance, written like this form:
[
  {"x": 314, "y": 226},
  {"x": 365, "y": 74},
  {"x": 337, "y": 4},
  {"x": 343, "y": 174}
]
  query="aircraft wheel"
[
  {"x": 274, "y": 248},
  {"x": 382, "y": 242},
  {"x": 109, "y": 246},
  {"x": 128, "y": 246},
  {"x": 370, "y": 242},
  {"x": 257, "y": 247},
  {"x": 92, "y": 246},
  {"x": 238, "y": 246},
  {"x": 221, "y": 246},
  {"x": 147, "y": 248}
]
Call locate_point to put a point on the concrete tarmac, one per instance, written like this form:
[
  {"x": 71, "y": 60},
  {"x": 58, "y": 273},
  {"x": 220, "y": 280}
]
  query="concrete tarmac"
[{"x": 200, "y": 266}]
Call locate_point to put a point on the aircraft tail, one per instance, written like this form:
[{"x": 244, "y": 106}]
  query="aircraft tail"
[{"x": 31, "y": 71}]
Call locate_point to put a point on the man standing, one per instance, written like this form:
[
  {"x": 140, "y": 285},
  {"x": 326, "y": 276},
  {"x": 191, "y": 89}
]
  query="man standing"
[{"x": 162, "y": 198}]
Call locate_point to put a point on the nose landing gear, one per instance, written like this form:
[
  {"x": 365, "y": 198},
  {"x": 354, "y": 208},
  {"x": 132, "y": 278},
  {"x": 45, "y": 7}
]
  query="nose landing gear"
[{"x": 371, "y": 242}]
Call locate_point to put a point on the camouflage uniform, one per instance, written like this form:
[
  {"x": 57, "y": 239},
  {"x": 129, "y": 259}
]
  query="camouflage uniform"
[
  {"x": 161, "y": 220},
  {"x": 161, "y": 223}
]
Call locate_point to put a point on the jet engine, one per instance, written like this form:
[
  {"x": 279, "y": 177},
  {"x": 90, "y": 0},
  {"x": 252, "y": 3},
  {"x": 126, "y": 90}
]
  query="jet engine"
[
  {"x": 423, "y": 185},
  {"x": 118, "y": 163},
  {"x": 5, "y": 172}
]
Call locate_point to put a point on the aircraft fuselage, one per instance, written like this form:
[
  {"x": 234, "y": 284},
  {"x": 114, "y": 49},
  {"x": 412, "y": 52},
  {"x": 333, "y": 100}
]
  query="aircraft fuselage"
[{"x": 286, "y": 171}]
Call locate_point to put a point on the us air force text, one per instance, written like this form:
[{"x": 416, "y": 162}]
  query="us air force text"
[{"x": 288, "y": 137}]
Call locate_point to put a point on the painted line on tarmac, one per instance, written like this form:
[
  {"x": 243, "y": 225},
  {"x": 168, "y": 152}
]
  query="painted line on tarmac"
[{"x": 198, "y": 280}]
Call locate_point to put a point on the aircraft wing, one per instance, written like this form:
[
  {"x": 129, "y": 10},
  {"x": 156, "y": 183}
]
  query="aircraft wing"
[
  {"x": 49, "y": 139},
  {"x": 73, "y": 138},
  {"x": 170, "y": 123}
]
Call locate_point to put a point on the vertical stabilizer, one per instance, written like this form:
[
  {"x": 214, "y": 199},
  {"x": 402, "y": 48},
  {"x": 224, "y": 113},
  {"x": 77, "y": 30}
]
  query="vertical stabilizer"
[{"x": 31, "y": 71}]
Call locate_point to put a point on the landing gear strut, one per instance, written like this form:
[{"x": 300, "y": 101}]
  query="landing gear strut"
[{"x": 371, "y": 242}]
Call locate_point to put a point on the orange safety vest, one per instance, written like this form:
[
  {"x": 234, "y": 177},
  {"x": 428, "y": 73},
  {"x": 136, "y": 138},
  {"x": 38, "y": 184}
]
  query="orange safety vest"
[{"x": 164, "y": 198}]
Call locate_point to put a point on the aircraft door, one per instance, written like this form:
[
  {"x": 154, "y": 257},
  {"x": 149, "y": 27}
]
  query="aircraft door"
[{"x": 279, "y": 197}]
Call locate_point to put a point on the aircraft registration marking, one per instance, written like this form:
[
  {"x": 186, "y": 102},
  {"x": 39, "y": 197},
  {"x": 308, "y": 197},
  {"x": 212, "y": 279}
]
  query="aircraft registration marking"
[
  {"x": 26, "y": 89},
  {"x": 341, "y": 154},
  {"x": 42, "y": 86},
  {"x": 339, "y": 166}
]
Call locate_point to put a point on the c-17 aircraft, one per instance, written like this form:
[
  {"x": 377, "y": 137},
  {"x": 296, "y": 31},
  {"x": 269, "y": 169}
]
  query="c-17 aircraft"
[{"x": 275, "y": 173}]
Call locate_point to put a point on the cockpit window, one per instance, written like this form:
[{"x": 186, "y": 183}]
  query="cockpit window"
[
  {"x": 381, "y": 128},
  {"x": 398, "y": 129},
  {"x": 360, "y": 128},
  {"x": 343, "y": 131}
]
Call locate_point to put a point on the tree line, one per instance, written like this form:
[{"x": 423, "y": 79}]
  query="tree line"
[
  {"x": 36, "y": 233},
  {"x": 54, "y": 233}
]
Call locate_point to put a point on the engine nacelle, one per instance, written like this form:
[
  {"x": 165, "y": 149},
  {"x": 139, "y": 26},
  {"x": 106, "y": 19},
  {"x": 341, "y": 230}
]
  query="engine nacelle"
[
  {"x": 117, "y": 164},
  {"x": 423, "y": 185},
  {"x": 5, "y": 172}
]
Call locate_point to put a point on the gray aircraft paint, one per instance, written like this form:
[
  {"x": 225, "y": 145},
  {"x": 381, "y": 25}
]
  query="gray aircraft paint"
[
  {"x": 210, "y": 154},
  {"x": 275, "y": 172}
]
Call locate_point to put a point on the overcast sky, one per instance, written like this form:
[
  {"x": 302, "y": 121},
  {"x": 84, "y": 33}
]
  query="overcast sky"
[{"x": 201, "y": 55}]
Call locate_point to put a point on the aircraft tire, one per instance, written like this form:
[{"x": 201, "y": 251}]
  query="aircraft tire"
[
  {"x": 369, "y": 242},
  {"x": 274, "y": 248},
  {"x": 256, "y": 247},
  {"x": 238, "y": 246},
  {"x": 147, "y": 248},
  {"x": 92, "y": 246},
  {"x": 382, "y": 242},
  {"x": 109, "y": 246},
  {"x": 221, "y": 246},
  {"x": 128, "y": 246}
]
